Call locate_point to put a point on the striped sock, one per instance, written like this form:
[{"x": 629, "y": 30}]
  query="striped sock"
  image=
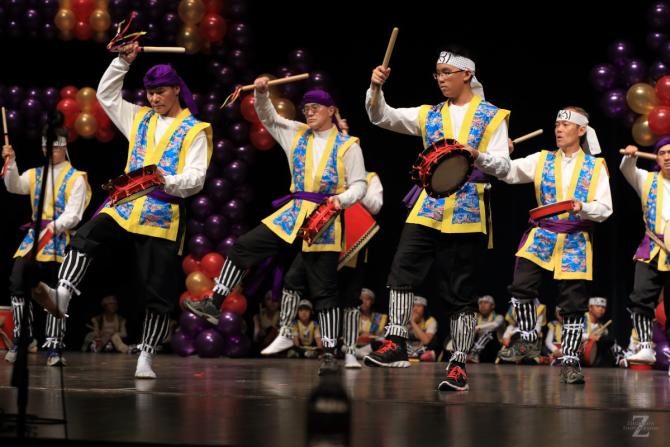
[
  {"x": 288, "y": 311},
  {"x": 228, "y": 279},
  {"x": 350, "y": 329},
  {"x": 55, "y": 331},
  {"x": 642, "y": 325},
  {"x": 572, "y": 337},
  {"x": 329, "y": 320},
  {"x": 400, "y": 311},
  {"x": 526, "y": 319},
  {"x": 18, "y": 306},
  {"x": 156, "y": 327},
  {"x": 462, "y": 334}
]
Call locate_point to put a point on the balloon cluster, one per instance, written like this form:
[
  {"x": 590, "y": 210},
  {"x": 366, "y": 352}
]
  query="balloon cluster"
[
  {"x": 84, "y": 116},
  {"x": 83, "y": 19},
  {"x": 203, "y": 24},
  {"x": 28, "y": 18},
  {"x": 634, "y": 91}
]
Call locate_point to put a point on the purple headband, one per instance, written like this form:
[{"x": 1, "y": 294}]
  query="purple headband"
[
  {"x": 319, "y": 97},
  {"x": 164, "y": 75}
]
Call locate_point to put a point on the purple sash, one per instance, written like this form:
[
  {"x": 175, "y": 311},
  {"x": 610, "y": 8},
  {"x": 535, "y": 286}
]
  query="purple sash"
[
  {"x": 29, "y": 225},
  {"x": 315, "y": 197},
  {"x": 557, "y": 226},
  {"x": 412, "y": 196},
  {"x": 644, "y": 250}
]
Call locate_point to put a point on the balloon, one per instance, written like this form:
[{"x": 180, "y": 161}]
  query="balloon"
[
  {"x": 237, "y": 346},
  {"x": 86, "y": 99},
  {"x": 219, "y": 189},
  {"x": 182, "y": 344},
  {"x": 191, "y": 11},
  {"x": 82, "y": 8},
  {"x": 191, "y": 324},
  {"x": 189, "y": 38},
  {"x": 69, "y": 91},
  {"x": 663, "y": 90},
  {"x": 238, "y": 229},
  {"x": 629, "y": 119},
  {"x": 82, "y": 30},
  {"x": 236, "y": 171},
  {"x": 261, "y": 138},
  {"x": 222, "y": 73},
  {"x": 199, "y": 245},
  {"x": 234, "y": 210},
  {"x": 14, "y": 121},
  {"x": 65, "y": 20},
  {"x": 212, "y": 28},
  {"x": 201, "y": 206},
  {"x": 657, "y": 70},
  {"x": 154, "y": 8},
  {"x": 246, "y": 153},
  {"x": 284, "y": 108},
  {"x": 101, "y": 116},
  {"x": 319, "y": 80},
  {"x": 211, "y": 112},
  {"x": 209, "y": 343},
  {"x": 238, "y": 132},
  {"x": 86, "y": 125},
  {"x": 620, "y": 51},
  {"x": 70, "y": 110},
  {"x": 660, "y": 315},
  {"x": 641, "y": 132},
  {"x": 31, "y": 20},
  {"x": 190, "y": 265},
  {"x": 236, "y": 9},
  {"x": 634, "y": 71},
  {"x": 229, "y": 323},
  {"x": 194, "y": 226},
  {"x": 211, "y": 264},
  {"x": 641, "y": 98},
  {"x": 198, "y": 282},
  {"x": 659, "y": 120},
  {"x": 223, "y": 152},
  {"x": 15, "y": 95},
  {"x": 248, "y": 110},
  {"x": 238, "y": 59},
  {"x": 235, "y": 302},
  {"x": 658, "y": 15},
  {"x": 655, "y": 40},
  {"x": 216, "y": 227},
  {"x": 213, "y": 5},
  {"x": 31, "y": 110},
  {"x": 231, "y": 112},
  {"x": 170, "y": 23},
  {"x": 50, "y": 97},
  {"x": 225, "y": 245},
  {"x": 100, "y": 20},
  {"x": 300, "y": 59}
]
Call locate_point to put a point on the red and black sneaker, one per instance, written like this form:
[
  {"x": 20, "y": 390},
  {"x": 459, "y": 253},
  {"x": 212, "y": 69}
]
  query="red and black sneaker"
[
  {"x": 457, "y": 378},
  {"x": 389, "y": 355}
]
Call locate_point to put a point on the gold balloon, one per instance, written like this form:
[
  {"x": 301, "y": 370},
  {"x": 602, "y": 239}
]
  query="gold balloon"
[
  {"x": 86, "y": 98},
  {"x": 642, "y": 134},
  {"x": 100, "y": 20},
  {"x": 198, "y": 282},
  {"x": 65, "y": 4},
  {"x": 284, "y": 108},
  {"x": 189, "y": 38},
  {"x": 274, "y": 91},
  {"x": 101, "y": 4},
  {"x": 101, "y": 37},
  {"x": 641, "y": 97},
  {"x": 65, "y": 20},
  {"x": 86, "y": 125},
  {"x": 191, "y": 11}
]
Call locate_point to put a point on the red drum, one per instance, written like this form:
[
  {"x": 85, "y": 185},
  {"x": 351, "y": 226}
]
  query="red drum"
[
  {"x": 133, "y": 185},
  {"x": 6, "y": 327},
  {"x": 552, "y": 209},
  {"x": 590, "y": 352},
  {"x": 442, "y": 168},
  {"x": 318, "y": 222},
  {"x": 359, "y": 227}
]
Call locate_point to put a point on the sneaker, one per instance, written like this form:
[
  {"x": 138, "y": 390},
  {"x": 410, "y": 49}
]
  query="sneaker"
[
  {"x": 457, "y": 378},
  {"x": 389, "y": 355},
  {"x": 279, "y": 344},
  {"x": 144, "y": 368},
  {"x": 645, "y": 356},
  {"x": 571, "y": 372},
  {"x": 350, "y": 362},
  {"x": 12, "y": 353},
  {"x": 519, "y": 351},
  {"x": 328, "y": 365},
  {"x": 55, "y": 358},
  {"x": 32, "y": 347},
  {"x": 204, "y": 309},
  {"x": 46, "y": 297},
  {"x": 363, "y": 351}
]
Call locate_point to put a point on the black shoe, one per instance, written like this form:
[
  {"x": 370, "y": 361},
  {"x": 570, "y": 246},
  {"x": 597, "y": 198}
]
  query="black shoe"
[
  {"x": 519, "y": 351},
  {"x": 204, "y": 309},
  {"x": 571, "y": 373},
  {"x": 329, "y": 365},
  {"x": 457, "y": 378},
  {"x": 390, "y": 355}
]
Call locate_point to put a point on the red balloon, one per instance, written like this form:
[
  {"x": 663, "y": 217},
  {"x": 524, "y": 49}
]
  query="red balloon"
[
  {"x": 104, "y": 134},
  {"x": 82, "y": 9},
  {"x": 83, "y": 31},
  {"x": 659, "y": 120},
  {"x": 248, "y": 110},
  {"x": 260, "y": 137},
  {"x": 212, "y": 6},
  {"x": 190, "y": 296},
  {"x": 235, "y": 302},
  {"x": 70, "y": 110},
  {"x": 205, "y": 294},
  {"x": 212, "y": 28},
  {"x": 663, "y": 90},
  {"x": 190, "y": 265},
  {"x": 71, "y": 134},
  {"x": 69, "y": 91},
  {"x": 211, "y": 264},
  {"x": 100, "y": 116}
]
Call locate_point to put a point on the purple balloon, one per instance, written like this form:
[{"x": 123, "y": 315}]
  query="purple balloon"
[
  {"x": 629, "y": 119},
  {"x": 201, "y": 206},
  {"x": 139, "y": 96},
  {"x": 238, "y": 59},
  {"x": 225, "y": 75},
  {"x": 234, "y": 210},
  {"x": 603, "y": 76},
  {"x": 614, "y": 103},
  {"x": 620, "y": 50},
  {"x": 199, "y": 99},
  {"x": 50, "y": 97},
  {"x": 14, "y": 96},
  {"x": 229, "y": 323},
  {"x": 664, "y": 52},
  {"x": 223, "y": 152},
  {"x": 191, "y": 324},
  {"x": 658, "y": 15},
  {"x": 118, "y": 8},
  {"x": 154, "y": 9},
  {"x": 215, "y": 97},
  {"x": 170, "y": 23},
  {"x": 194, "y": 226},
  {"x": 182, "y": 343},
  {"x": 14, "y": 121},
  {"x": 31, "y": 20},
  {"x": 238, "y": 229},
  {"x": 14, "y": 29},
  {"x": 236, "y": 171},
  {"x": 634, "y": 71},
  {"x": 14, "y": 8},
  {"x": 231, "y": 112},
  {"x": 48, "y": 7},
  {"x": 31, "y": 110},
  {"x": 245, "y": 193},
  {"x": 246, "y": 153},
  {"x": 212, "y": 171},
  {"x": 300, "y": 60},
  {"x": 209, "y": 343},
  {"x": 239, "y": 34},
  {"x": 319, "y": 80},
  {"x": 239, "y": 132},
  {"x": 660, "y": 338},
  {"x": 211, "y": 112},
  {"x": 216, "y": 227},
  {"x": 657, "y": 70},
  {"x": 655, "y": 39},
  {"x": 219, "y": 189},
  {"x": 49, "y": 31},
  {"x": 237, "y": 9},
  {"x": 225, "y": 245},
  {"x": 33, "y": 93},
  {"x": 199, "y": 245},
  {"x": 237, "y": 346}
]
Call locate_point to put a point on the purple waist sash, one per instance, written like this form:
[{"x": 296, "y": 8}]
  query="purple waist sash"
[
  {"x": 29, "y": 225},
  {"x": 644, "y": 250},
  {"x": 315, "y": 197},
  {"x": 412, "y": 196},
  {"x": 557, "y": 226}
]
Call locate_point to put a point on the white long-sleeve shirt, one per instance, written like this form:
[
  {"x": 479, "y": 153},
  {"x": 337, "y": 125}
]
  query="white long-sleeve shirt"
[
  {"x": 495, "y": 161},
  {"x": 374, "y": 196},
  {"x": 284, "y": 131},
  {"x": 523, "y": 170},
  {"x": 122, "y": 113},
  {"x": 75, "y": 205},
  {"x": 636, "y": 177}
]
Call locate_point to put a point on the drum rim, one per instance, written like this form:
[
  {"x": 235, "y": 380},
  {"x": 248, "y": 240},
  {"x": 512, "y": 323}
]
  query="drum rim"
[{"x": 451, "y": 154}]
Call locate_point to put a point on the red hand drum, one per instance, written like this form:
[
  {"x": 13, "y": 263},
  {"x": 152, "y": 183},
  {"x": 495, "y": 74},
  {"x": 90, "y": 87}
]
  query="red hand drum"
[
  {"x": 133, "y": 185},
  {"x": 552, "y": 209},
  {"x": 318, "y": 222},
  {"x": 442, "y": 168}
]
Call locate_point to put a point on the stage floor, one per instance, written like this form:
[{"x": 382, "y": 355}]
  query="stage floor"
[{"x": 263, "y": 402}]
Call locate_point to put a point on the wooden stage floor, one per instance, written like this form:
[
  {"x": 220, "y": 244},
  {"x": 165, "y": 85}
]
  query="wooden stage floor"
[{"x": 262, "y": 402}]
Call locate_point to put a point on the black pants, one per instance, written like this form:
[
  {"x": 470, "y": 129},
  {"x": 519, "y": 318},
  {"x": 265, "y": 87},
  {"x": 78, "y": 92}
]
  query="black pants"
[
  {"x": 157, "y": 259},
  {"x": 647, "y": 287},
  {"x": 46, "y": 272},
  {"x": 313, "y": 274},
  {"x": 351, "y": 280},
  {"x": 573, "y": 294},
  {"x": 459, "y": 258}
]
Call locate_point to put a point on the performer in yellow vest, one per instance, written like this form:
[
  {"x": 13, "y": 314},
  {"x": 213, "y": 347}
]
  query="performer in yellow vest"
[
  {"x": 560, "y": 244},
  {"x": 325, "y": 165},
  {"x": 168, "y": 135},
  {"x": 453, "y": 231},
  {"x": 72, "y": 194}
]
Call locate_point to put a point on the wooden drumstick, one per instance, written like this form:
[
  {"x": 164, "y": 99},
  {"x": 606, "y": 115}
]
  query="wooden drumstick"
[
  {"x": 162, "y": 49},
  {"x": 528, "y": 136},
  {"x": 601, "y": 329},
  {"x": 279, "y": 81},
  {"x": 645, "y": 155},
  {"x": 385, "y": 65},
  {"x": 6, "y": 134}
]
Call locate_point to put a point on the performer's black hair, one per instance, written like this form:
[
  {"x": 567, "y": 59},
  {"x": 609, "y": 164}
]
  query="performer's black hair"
[{"x": 56, "y": 121}]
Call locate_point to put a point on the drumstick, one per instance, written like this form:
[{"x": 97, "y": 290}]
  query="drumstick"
[
  {"x": 601, "y": 329},
  {"x": 5, "y": 132},
  {"x": 385, "y": 64},
  {"x": 528, "y": 136},
  {"x": 163, "y": 49},
  {"x": 245, "y": 88},
  {"x": 645, "y": 155}
]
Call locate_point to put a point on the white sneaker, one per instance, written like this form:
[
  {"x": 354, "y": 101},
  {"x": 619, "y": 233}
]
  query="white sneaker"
[
  {"x": 350, "y": 362},
  {"x": 144, "y": 370},
  {"x": 279, "y": 344},
  {"x": 645, "y": 356},
  {"x": 46, "y": 297},
  {"x": 55, "y": 359},
  {"x": 363, "y": 351},
  {"x": 11, "y": 355}
]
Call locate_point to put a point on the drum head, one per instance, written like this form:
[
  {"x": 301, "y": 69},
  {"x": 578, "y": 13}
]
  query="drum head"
[{"x": 449, "y": 175}]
